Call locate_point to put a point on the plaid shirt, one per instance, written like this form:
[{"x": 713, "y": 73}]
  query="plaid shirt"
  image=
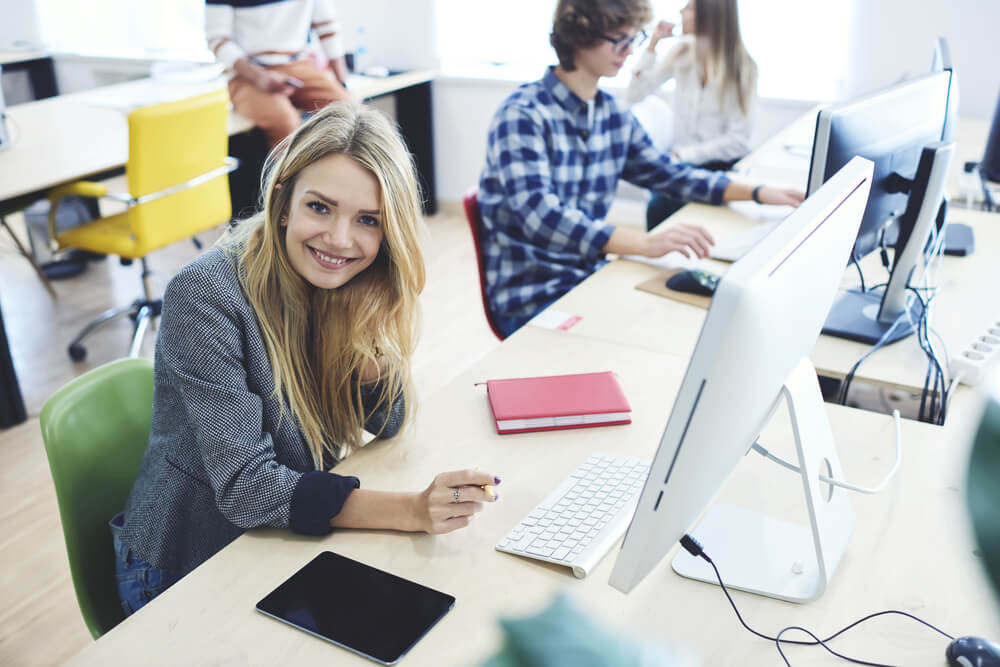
[{"x": 548, "y": 184}]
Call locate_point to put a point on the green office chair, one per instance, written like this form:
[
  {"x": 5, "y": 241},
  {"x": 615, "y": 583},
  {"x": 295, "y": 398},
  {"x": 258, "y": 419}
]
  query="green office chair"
[
  {"x": 95, "y": 431},
  {"x": 983, "y": 493}
]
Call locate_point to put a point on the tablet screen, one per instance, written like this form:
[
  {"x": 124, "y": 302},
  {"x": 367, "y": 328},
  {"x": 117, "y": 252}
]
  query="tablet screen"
[{"x": 356, "y": 606}]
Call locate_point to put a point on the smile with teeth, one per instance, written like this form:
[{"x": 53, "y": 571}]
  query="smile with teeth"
[{"x": 330, "y": 261}]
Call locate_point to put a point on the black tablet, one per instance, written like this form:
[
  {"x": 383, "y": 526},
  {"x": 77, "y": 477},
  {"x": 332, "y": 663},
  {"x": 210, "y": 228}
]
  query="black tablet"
[{"x": 356, "y": 606}]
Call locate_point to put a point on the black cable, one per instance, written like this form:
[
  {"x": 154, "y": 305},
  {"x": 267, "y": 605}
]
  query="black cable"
[
  {"x": 988, "y": 203},
  {"x": 857, "y": 265},
  {"x": 846, "y": 384},
  {"x": 692, "y": 546},
  {"x": 933, "y": 364}
]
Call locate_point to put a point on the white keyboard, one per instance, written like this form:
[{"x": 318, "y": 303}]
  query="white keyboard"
[
  {"x": 734, "y": 246},
  {"x": 583, "y": 517}
]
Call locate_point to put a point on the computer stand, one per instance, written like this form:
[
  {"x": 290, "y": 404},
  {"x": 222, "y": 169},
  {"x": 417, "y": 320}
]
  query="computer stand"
[
  {"x": 768, "y": 556},
  {"x": 854, "y": 316}
]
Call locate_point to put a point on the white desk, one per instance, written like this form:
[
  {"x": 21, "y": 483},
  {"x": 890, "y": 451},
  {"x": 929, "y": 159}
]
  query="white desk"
[
  {"x": 66, "y": 138},
  {"x": 612, "y": 309},
  {"x": 911, "y": 549}
]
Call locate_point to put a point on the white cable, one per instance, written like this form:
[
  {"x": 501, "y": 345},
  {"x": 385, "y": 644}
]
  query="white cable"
[{"x": 836, "y": 482}]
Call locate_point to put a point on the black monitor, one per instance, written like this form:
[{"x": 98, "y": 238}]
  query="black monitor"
[
  {"x": 959, "y": 239},
  {"x": 891, "y": 128},
  {"x": 990, "y": 166},
  {"x": 942, "y": 62}
]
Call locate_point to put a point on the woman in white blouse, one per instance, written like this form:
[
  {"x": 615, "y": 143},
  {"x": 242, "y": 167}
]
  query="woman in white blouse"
[{"x": 715, "y": 94}]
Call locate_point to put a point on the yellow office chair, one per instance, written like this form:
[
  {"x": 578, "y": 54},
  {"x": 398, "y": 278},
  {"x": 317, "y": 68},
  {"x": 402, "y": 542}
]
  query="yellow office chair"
[{"x": 177, "y": 179}]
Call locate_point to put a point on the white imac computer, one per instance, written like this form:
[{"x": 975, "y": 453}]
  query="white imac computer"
[
  {"x": 742, "y": 366},
  {"x": 892, "y": 128}
]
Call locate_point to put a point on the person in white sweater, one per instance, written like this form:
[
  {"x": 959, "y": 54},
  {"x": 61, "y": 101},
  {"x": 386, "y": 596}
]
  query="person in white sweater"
[
  {"x": 265, "y": 45},
  {"x": 716, "y": 89}
]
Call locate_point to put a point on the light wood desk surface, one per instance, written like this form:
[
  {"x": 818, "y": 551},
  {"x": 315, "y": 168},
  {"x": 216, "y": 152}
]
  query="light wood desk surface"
[
  {"x": 613, "y": 309},
  {"x": 69, "y": 137},
  {"x": 911, "y": 549},
  {"x": 9, "y": 56}
]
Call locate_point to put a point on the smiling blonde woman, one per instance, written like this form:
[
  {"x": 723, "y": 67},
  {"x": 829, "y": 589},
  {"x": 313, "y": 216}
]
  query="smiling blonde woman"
[{"x": 276, "y": 349}]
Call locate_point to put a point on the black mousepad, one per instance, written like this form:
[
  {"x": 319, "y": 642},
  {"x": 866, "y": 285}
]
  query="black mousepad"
[{"x": 356, "y": 606}]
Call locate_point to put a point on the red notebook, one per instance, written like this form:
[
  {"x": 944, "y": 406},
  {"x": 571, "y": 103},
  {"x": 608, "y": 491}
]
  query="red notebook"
[{"x": 557, "y": 401}]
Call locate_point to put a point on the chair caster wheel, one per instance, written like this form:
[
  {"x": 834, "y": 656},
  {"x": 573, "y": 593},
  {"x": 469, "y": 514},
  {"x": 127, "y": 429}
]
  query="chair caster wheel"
[{"x": 77, "y": 352}]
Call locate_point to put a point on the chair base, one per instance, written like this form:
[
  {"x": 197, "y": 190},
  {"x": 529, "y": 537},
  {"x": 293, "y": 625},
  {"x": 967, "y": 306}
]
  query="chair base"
[{"x": 140, "y": 311}]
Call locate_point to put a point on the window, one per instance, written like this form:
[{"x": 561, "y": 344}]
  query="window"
[{"x": 165, "y": 29}]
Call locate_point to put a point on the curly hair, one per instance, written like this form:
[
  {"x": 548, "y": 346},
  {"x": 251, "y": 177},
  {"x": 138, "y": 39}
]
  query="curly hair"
[{"x": 579, "y": 24}]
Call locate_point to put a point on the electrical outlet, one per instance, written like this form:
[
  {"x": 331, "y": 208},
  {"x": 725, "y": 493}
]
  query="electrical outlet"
[{"x": 970, "y": 365}]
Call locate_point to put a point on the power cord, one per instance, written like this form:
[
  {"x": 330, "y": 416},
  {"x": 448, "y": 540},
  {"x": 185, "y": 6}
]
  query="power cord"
[
  {"x": 692, "y": 546},
  {"x": 760, "y": 449},
  {"x": 857, "y": 265}
]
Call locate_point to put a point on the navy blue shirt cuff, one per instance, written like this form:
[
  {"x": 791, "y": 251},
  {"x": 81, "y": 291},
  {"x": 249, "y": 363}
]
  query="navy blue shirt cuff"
[{"x": 318, "y": 497}]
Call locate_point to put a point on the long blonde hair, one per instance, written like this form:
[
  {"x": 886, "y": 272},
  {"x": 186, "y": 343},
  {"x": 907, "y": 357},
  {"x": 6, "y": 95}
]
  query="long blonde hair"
[
  {"x": 717, "y": 27},
  {"x": 319, "y": 340}
]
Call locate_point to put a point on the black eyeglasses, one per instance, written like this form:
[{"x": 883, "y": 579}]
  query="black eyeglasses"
[{"x": 622, "y": 44}]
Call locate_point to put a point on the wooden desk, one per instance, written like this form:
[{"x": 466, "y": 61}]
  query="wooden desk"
[
  {"x": 85, "y": 135},
  {"x": 910, "y": 550},
  {"x": 612, "y": 309},
  {"x": 70, "y": 137}
]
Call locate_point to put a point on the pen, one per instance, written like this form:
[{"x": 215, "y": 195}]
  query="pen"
[{"x": 488, "y": 489}]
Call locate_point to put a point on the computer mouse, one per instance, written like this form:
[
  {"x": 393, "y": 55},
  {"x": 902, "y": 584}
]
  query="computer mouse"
[
  {"x": 694, "y": 281},
  {"x": 973, "y": 652}
]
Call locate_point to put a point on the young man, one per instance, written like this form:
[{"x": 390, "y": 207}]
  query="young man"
[{"x": 555, "y": 152}]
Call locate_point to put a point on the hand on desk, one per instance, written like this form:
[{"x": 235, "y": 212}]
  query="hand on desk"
[
  {"x": 685, "y": 239},
  {"x": 452, "y": 499},
  {"x": 780, "y": 196}
]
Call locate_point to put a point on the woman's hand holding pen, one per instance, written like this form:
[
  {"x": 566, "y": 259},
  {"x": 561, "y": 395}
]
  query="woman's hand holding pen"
[{"x": 452, "y": 499}]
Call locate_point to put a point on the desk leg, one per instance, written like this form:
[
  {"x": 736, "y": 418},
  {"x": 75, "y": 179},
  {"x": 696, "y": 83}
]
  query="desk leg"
[
  {"x": 12, "y": 410},
  {"x": 414, "y": 114},
  {"x": 244, "y": 184},
  {"x": 42, "y": 73}
]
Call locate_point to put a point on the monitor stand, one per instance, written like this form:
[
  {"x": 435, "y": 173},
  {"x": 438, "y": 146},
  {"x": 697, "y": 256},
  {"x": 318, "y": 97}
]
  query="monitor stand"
[
  {"x": 854, "y": 316},
  {"x": 768, "y": 556}
]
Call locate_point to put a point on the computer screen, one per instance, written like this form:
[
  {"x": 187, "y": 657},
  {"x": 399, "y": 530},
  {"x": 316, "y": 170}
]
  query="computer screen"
[
  {"x": 891, "y": 128},
  {"x": 990, "y": 165},
  {"x": 942, "y": 62},
  {"x": 743, "y": 364}
]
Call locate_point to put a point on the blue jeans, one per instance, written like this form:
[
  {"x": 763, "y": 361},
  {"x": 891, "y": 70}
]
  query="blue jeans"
[{"x": 138, "y": 581}]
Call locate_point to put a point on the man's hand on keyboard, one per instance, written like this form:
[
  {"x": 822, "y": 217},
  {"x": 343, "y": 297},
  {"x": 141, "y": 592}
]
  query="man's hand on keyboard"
[{"x": 452, "y": 499}]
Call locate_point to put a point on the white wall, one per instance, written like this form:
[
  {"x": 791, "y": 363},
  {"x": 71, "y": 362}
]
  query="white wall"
[
  {"x": 894, "y": 38},
  {"x": 19, "y": 25},
  {"x": 400, "y": 34}
]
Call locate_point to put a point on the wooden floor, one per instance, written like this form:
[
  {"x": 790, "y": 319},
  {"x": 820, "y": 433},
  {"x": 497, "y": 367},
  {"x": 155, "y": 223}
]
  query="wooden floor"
[{"x": 40, "y": 623}]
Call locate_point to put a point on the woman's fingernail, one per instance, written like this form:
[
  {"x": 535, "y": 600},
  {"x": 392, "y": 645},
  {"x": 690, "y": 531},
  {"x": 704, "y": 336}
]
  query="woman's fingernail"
[
  {"x": 496, "y": 480},
  {"x": 496, "y": 496}
]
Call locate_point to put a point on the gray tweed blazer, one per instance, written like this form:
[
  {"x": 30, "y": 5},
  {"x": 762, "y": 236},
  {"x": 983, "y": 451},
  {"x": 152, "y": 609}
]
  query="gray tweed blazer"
[{"x": 219, "y": 458}]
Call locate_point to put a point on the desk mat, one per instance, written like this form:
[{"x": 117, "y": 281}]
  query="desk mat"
[{"x": 658, "y": 286}]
